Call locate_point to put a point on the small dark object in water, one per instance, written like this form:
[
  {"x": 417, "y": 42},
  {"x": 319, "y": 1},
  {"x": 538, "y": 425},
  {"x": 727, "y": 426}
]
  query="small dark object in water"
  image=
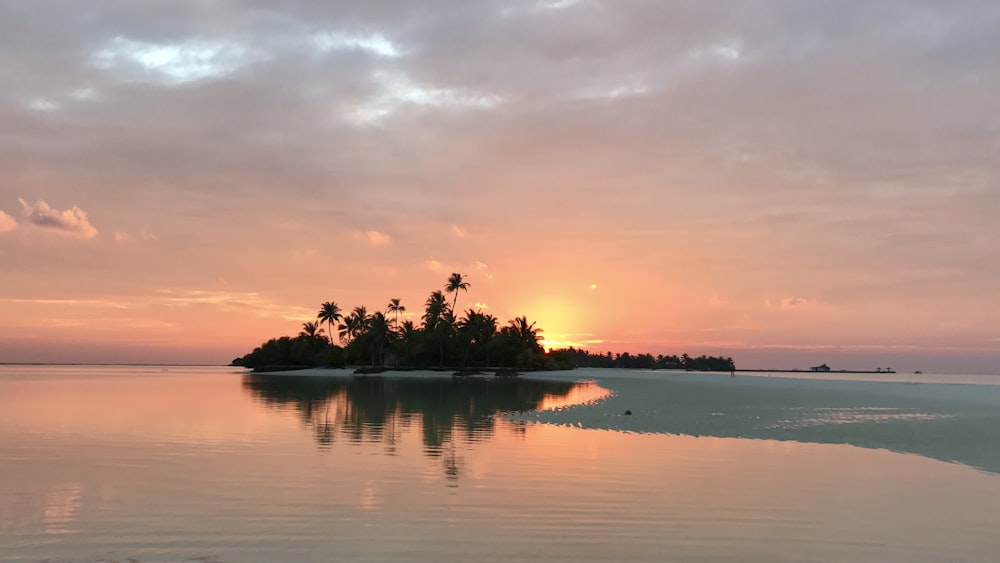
[{"x": 628, "y": 413}]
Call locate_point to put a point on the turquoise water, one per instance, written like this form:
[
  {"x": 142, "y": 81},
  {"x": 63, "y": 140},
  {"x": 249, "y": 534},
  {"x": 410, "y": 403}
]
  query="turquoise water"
[{"x": 211, "y": 464}]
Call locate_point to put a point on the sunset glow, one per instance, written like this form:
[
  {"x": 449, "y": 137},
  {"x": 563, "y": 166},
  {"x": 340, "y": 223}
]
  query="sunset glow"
[{"x": 786, "y": 185}]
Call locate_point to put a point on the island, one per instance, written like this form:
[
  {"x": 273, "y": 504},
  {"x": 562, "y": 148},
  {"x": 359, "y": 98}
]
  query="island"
[{"x": 468, "y": 344}]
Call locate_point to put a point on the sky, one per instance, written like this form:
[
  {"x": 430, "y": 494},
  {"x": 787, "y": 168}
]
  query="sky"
[{"x": 786, "y": 182}]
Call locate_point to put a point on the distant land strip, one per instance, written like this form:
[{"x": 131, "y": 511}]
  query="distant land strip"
[{"x": 816, "y": 371}]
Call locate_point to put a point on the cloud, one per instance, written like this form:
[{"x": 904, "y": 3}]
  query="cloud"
[
  {"x": 377, "y": 238},
  {"x": 7, "y": 223},
  {"x": 717, "y": 302},
  {"x": 396, "y": 90},
  {"x": 174, "y": 63},
  {"x": 556, "y": 4},
  {"x": 798, "y": 304},
  {"x": 125, "y": 236},
  {"x": 72, "y": 221},
  {"x": 43, "y": 105},
  {"x": 234, "y": 301},
  {"x": 833, "y": 147},
  {"x": 84, "y": 94},
  {"x": 374, "y": 43},
  {"x": 482, "y": 267}
]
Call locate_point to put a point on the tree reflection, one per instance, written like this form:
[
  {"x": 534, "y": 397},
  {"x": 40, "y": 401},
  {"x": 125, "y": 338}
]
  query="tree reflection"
[{"x": 363, "y": 409}]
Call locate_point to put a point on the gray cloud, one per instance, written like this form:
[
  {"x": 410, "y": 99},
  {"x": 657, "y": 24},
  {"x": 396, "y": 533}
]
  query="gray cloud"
[{"x": 814, "y": 99}]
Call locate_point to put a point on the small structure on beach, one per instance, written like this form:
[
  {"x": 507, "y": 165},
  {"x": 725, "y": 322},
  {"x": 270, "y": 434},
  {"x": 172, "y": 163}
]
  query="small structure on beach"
[{"x": 821, "y": 367}]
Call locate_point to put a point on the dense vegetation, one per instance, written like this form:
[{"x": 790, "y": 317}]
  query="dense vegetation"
[
  {"x": 583, "y": 358},
  {"x": 441, "y": 340}
]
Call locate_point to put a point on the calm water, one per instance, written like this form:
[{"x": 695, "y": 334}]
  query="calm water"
[{"x": 210, "y": 464}]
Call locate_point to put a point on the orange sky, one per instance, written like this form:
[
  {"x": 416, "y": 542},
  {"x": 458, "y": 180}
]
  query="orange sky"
[{"x": 784, "y": 183}]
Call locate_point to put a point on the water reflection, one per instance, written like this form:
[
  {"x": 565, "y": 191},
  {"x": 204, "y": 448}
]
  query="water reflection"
[{"x": 375, "y": 409}]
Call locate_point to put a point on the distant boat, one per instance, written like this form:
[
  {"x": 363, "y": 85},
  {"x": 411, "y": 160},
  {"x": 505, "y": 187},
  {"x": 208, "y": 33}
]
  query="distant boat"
[
  {"x": 821, "y": 367},
  {"x": 918, "y": 372}
]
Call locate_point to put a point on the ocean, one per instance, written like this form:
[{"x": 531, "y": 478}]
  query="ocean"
[{"x": 167, "y": 463}]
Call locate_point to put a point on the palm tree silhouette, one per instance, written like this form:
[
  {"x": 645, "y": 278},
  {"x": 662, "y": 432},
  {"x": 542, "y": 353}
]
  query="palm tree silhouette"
[
  {"x": 381, "y": 335},
  {"x": 364, "y": 319},
  {"x": 478, "y": 328},
  {"x": 438, "y": 321},
  {"x": 434, "y": 309},
  {"x": 456, "y": 282},
  {"x": 443, "y": 331},
  {"x": 329, "y": 313},
  {"x": 354, "y": 325},
  {"x": 311, "y": 330},
  {"x": 396, "y": 308},
  {"x": 348, "y": 328},
  {"x": 407, "y": 331},
  {"x": 525, "y": 332}
]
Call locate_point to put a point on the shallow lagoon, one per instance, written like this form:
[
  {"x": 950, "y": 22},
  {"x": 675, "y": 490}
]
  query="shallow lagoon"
[{"x": 168, "y": 464}]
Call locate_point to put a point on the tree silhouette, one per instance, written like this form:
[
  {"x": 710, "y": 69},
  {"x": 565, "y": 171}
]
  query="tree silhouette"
[
  {"x": 478, "y": 329},
  {"x": 378, "y": 337},
  {"x": 434, "y": 309},
  {"x": 455, "y": 283},
  {"x": 395, "y": 308},
  {"x": 525, "y": 333},
  {"x": 329, "y": 313},
  {"x": 349, "y": 328},
  {"x": 311, "y": 330}
]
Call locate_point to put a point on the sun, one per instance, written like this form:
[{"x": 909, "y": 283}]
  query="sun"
[{"x": 560, "y": 320}]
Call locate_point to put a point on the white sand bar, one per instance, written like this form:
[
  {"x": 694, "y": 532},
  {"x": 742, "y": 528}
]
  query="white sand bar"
[{"x": 950, "y": 422}]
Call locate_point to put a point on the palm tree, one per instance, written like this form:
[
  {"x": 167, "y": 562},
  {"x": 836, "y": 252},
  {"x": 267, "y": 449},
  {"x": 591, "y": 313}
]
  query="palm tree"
[
  {"x": 311, "y": 330},
  {"x": 407, "y": 331},
  {"x": 355, "y": 325},
  {"x": 348, "y": 329},
  {"x": 526, "y": 333},
  {"x": 364, "y": 320},
  {"x": 329, "y": 313},
  {"x": 438, "y": 320},
  {"x": 455, "y": 283},
  {"x": 443, "y": 330},
  {"x": 407, "y": 335},
  {"x": 378, "y": 336},
  {"x": 478, "y": 328},
  {"x": 434, "y": 309},
  {"x": 395, "y": 307}
]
